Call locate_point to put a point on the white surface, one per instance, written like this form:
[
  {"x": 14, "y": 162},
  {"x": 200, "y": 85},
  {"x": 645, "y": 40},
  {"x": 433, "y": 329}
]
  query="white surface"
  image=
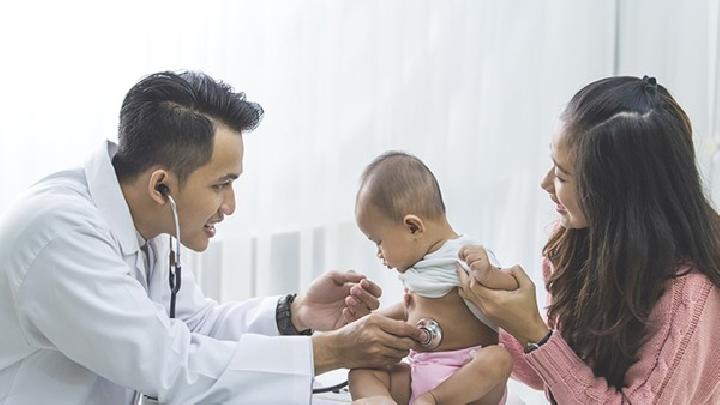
[{"x": 328, "y": 379}]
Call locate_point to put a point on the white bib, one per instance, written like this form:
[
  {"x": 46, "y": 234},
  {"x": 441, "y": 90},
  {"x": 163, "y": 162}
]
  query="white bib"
[{"x": 435, "y": 275}]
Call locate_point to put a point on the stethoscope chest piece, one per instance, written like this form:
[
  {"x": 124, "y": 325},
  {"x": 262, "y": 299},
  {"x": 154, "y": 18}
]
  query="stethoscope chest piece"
[{"x": 432, "y": 333}]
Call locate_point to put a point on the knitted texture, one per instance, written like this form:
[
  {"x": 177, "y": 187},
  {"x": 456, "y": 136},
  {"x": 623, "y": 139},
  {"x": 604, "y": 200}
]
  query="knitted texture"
[{"x": 678, "y": 364}]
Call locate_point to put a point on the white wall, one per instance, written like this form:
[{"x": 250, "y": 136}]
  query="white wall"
[{"x": 471, "y": 87}]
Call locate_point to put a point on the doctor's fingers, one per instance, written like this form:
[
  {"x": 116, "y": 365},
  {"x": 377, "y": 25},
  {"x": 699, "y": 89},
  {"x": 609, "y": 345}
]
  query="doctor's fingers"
[
  {"x": 371, "y": 288},
  {"x": 400, "y": 344},
  {"x": 344, "y": 277},
  {"x": 354, "y": 310},
  {"x": 393, "y": 356},
  {"x": 399, "y": 329},
  {"x": 350, "y": 315},
  {"x": 356, "y": 307}
]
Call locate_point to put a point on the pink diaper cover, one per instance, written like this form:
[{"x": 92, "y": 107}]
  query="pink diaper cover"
[{"x": 430, "y": 369}]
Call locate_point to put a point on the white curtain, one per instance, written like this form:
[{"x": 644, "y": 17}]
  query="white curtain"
[
  {"x": 471, "y": 87},
  {"x": 679, "y": 42}
]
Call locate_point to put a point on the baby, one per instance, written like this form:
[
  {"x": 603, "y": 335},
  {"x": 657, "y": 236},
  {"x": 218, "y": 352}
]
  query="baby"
[{"x": 399, "y": 208}]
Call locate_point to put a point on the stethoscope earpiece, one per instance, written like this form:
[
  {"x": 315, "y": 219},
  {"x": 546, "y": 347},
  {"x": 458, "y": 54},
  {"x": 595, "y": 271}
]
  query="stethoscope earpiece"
[
  {"x": 163, "y": 189},
  {"x": 175, "y": 278},
  {"x": 174, "y": 260}
]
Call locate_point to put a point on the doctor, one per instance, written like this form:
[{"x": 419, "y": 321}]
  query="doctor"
[{"x": 84, "y": 294}]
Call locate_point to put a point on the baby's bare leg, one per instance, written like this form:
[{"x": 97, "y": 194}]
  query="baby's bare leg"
[
  {"x": 400, "y": 383},
  {"x": 481, "y": 381},
  {"x": 366, "y": 382},
  {"x": 394, "y": 382}
]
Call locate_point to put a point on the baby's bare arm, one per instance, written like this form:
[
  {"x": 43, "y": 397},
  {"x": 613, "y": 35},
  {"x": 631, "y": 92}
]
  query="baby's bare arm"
[
  {"x": 499, "y": 279},
  {"x": 474, "y": 260},
  {"x": 396, "y": 311}
]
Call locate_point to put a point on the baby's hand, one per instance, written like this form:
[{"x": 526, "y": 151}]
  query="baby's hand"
[{"x": 474, "y": 259}]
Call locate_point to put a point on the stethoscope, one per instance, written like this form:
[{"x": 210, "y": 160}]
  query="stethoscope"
[
  {"x": 432, "y": 332},
  {"x": 175, "y": 278},
  {"x": 432, "y": 335}
]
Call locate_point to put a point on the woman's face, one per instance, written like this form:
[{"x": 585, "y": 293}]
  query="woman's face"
[{"x": 560, "y": 184}]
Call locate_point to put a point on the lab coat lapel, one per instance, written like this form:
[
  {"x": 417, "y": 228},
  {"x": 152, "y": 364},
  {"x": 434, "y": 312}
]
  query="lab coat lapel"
[{"x": 107, "y": 196}]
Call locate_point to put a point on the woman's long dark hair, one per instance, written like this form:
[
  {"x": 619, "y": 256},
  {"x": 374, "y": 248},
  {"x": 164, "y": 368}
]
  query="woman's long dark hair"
[{"x": 647, "y": 215}]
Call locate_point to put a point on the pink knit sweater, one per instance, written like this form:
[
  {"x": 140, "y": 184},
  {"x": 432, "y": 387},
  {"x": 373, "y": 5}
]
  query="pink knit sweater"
[{"x": 679, "y": 363}]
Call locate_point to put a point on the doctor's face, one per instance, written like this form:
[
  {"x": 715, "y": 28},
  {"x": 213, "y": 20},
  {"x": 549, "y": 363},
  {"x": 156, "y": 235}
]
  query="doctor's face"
[{"x": 208, "y": 195}]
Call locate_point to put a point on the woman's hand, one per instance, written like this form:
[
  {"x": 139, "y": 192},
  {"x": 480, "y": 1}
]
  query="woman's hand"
[{"x": 515, "y": 311}]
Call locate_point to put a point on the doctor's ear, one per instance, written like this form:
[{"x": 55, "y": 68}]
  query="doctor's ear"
[
  {"x": 158, "y": 187},
  {"x": 414, "y": 225}
]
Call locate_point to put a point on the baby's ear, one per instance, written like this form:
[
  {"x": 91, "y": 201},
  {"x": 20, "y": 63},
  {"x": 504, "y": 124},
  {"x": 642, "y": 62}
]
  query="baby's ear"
[{"x": 414, "y": 224}]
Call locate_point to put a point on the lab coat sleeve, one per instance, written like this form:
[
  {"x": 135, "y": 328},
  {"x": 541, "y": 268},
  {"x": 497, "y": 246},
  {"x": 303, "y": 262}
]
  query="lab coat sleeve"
[
  {"x": 79, "y": 298},
  {"x": 228, "y": 321}
]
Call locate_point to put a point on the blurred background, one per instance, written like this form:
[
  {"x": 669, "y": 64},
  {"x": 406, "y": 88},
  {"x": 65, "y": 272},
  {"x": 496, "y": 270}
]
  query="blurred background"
[{"x": 473, "y": 88}]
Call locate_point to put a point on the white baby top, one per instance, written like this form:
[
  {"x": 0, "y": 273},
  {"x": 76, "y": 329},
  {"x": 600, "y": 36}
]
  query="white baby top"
[{"x": 435, "y": 275}]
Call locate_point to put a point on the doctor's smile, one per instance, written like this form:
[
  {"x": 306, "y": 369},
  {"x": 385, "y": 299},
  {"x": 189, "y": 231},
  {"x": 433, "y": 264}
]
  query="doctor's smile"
[{"x": 210, "y": 228}]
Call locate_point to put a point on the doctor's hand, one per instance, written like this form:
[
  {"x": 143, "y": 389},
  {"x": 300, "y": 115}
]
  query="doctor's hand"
[
  {"x": 515, "y": 311},
  {"x": 372, "y": 341},
  {"x": 335, "y": 299}
]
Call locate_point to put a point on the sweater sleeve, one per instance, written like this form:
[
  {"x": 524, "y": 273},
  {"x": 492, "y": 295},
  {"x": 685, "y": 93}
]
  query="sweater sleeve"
[
  {"x": 521, "y": 369},
  {"x": 677, "y": 363}
]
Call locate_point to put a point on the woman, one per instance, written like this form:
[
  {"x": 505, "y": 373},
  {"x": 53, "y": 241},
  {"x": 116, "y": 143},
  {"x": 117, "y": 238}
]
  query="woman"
[{"x": 632, "y": 270}]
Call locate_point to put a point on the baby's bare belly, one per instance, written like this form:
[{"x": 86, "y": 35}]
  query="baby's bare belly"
[{"x": 460, "y": 327}]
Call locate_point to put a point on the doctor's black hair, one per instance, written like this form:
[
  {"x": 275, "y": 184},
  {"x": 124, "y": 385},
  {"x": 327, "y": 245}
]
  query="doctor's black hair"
[{"x": 169, "y": 119}]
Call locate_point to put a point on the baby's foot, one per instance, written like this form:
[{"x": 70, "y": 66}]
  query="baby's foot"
[
  {"x": 425, "y": 399},
  {"x": 376, "y": 400}
]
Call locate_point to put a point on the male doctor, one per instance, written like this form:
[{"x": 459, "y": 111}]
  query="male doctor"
[{"x": 84, "y": 294}]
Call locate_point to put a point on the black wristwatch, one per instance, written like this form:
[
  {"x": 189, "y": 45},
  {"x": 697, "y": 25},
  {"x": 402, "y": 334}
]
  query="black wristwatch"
[
  {"x": 284, "y": 318},
  {"x": 530, "y": 346}
]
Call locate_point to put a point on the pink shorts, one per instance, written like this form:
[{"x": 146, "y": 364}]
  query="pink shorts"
[{"x": 430, "y": 369}]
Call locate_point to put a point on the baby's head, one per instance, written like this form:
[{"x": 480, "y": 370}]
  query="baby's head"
[{"x": 399, "y": 207}]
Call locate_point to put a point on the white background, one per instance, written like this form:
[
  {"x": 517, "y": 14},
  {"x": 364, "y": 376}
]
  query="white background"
[{"x": 471, "y": 87}]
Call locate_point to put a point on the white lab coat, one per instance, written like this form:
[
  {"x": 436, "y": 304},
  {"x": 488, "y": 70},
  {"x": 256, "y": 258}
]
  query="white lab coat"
[{"x": 82, "y": 321}]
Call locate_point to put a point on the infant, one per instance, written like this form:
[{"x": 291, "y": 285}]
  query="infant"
[{"x": 399, "y": 207}]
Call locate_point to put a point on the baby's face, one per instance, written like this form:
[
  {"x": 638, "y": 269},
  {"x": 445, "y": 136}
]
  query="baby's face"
[{"x": 396, "y": 246}]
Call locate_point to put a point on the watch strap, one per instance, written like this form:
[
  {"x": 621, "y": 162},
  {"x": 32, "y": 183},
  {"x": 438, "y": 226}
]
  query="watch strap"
[
  {"x": 531, "y": 346},
  {"x": 283, "y": 317}
]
